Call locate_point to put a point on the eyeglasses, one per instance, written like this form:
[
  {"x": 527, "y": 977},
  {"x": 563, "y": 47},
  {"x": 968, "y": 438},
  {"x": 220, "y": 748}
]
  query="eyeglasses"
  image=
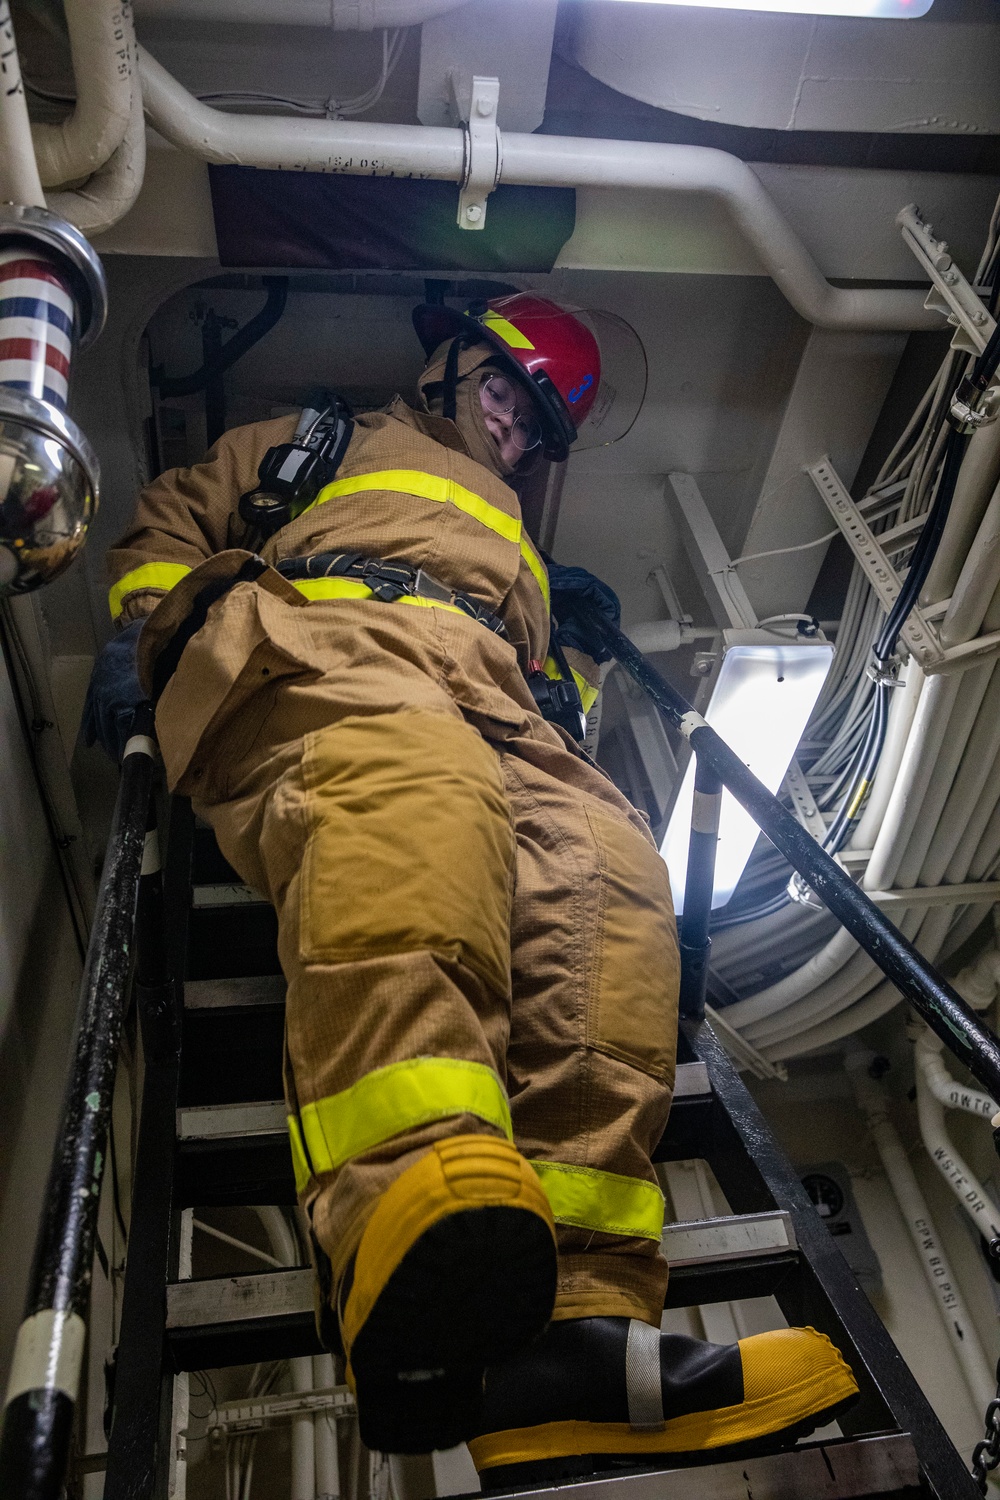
[{"x": 500, "y": 395}]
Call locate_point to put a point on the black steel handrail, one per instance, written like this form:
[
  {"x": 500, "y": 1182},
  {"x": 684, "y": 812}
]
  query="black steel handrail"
[
  {"x": 930, "y": 994},
  {"x": 41, "y": 1397}
]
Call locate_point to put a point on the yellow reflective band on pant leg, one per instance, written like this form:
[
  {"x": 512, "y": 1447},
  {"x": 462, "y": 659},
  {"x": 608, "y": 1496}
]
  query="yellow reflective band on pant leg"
[
  {"x": 590, "y": 1199},
  {"x": 300, "y": 1162},
  {"x": 390, "y": 1100},
  {"x": 154, "y": 575}
]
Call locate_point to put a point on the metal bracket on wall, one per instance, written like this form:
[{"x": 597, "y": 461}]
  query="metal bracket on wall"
[
  {"x": 483, "y": 151},
  {"x": 727, "y": 598},
  {"x": 919, "y": 633},
  {"x": 950, "y": 293}
]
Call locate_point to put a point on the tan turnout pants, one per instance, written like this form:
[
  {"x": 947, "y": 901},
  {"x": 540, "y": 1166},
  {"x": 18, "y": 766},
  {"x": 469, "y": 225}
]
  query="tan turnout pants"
[{"x": 454, "y": 886}]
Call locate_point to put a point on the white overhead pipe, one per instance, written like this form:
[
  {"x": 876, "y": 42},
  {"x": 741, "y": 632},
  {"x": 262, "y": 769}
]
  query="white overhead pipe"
[
  {"x": 102, "y": 47},
  {"x": 667, "y": 635},
  {"x": 370, "y": 150},
  {"x": 945, "y": 1089},
  {"x": 933, "y": 1080},
  {"x": 976, "y": 482},
  {"x": 108, "y": 195},
  {"x": 940, "y": 1278},
  {"x": 325, "y": 1433},
  {"x": 19, "y": 179},
  {"x": 901, "y": 710},
  {"x": 958, "y": 727},
  {"x": 342, "y": 15},
  {"x": 977, "y": 581}
]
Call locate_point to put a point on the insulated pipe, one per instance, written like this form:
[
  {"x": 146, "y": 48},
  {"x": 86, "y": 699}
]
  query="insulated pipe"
[
  {"x": 342, "y": 15},
  {"x": 967, "y": 1189},
  {"x": 854, "y": 1018},
  {"x": 940, "y": 1278},
  {"x": 941, "y": 780},
  {"x": 102, "y": 46},
  {"x": 667, "y": 635},
  {"x": 303, "y": 1483},
  {"x": 902, "y": 707},
  {"x": 918, "y": 981},
  {"x": 970, "y": 783},
  {"x": 945, "y": 1089},
  {"x": 976, "y": 482},
  {"x": 325, "y": 1435},
  {"x": 108, "y": 195},
  {"x": 916, "y": 771},
  {"x": 977, "y": 582},
  {"x": 19, "y": 179},
  {"x": 429, "y": 151}
]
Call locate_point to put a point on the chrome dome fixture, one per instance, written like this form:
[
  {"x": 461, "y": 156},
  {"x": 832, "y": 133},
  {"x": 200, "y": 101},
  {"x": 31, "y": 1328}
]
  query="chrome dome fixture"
[{"x": 53, "y": 300}]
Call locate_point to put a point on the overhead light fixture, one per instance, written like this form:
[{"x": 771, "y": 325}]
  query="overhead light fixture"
[
  {"x": 897, "y": 10},
  {"x": 760, "y": 706}
]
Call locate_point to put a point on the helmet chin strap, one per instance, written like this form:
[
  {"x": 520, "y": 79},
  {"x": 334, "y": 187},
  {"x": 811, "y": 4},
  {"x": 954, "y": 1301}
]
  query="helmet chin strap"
[{"x": 450, "y": 393}]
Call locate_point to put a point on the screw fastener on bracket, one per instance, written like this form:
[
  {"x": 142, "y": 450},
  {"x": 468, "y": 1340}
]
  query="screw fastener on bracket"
[{"x": 483, "y": 153}]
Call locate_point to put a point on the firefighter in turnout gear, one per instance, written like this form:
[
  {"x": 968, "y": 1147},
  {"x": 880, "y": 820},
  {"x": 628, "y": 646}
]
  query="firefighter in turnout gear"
[{"x": 474, "y": 923}]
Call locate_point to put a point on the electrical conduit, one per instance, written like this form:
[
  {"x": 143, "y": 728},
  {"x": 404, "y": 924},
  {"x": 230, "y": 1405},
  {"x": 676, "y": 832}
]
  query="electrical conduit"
[{"x": 940, "y": 1278}]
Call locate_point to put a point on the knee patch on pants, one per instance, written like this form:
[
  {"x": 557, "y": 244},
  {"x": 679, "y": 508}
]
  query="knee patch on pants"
[{"x": 411, "y": 846}]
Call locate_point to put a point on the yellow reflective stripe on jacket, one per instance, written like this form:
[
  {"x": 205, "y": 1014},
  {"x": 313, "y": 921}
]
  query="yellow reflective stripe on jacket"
[
  {"x": 300, "y": 1162},
  {"x": 538, "y": 568},
  {"x": 349, "y": 588},
  {"x": 427, "y": 487},
  {"x": 602, "y": 1200},
  {"x": 154, "y": 575},
  {"x": 397, "y": 1098},
  {"x": 588, "y": 693}
]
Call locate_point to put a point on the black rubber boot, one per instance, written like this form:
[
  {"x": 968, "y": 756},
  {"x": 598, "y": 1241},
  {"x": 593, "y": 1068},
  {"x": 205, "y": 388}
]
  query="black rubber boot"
[{"x": 599, "y": 1393}]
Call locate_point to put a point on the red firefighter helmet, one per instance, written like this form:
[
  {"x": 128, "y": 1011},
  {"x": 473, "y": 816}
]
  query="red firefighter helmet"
[{"x": 539, "y": 343}]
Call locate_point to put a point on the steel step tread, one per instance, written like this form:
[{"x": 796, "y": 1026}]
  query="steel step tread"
[
  {"x": 229, "y": 1149},
  {"x": 843, "y": 1469},
  {"x": 742, "y": 1254}
]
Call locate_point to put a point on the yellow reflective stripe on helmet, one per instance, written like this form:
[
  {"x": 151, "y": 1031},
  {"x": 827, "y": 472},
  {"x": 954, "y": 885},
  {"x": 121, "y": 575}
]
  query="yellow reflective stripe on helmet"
[
  {"x": 300, "y": 1162},
  {"x": 427, "y": 487},
  {"x": 154, "y": 575},
  {"x": 397, "y": 1098},
  {"x": 506, "y": 331},
  {"x": 350, "y": 588},
  {"x": 588, "y": 693},
  {"x": 537, "y": 567},
  {"x": 602, "y": 1200}
]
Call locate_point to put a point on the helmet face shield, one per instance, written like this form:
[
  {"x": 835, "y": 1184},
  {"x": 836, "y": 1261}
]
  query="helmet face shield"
[
  {"x": 603, "y": 409},
  {"x": 624, "y": 379},
  {"x": 585, "y": 368}
]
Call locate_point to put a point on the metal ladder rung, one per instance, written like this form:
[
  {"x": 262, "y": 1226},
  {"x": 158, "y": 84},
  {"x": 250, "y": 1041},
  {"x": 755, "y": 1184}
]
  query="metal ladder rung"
[
  {"x": 218, "y": 1122},
  {"x": 225, "y": 994},
  {"x": 841, "y": 1470}
]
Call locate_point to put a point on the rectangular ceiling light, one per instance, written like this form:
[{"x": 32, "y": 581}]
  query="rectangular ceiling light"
[
  {"x": 899, "y": 10},
  {"x": 760, "y": 705}
]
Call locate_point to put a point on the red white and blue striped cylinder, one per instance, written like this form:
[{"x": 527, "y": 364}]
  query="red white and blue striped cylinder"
[{"x": 37, "y": 326}]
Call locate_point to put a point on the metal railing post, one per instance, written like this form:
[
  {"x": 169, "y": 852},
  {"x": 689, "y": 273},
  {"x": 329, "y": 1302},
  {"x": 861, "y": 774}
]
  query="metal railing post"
[
  {"x": 45, "y": 1372},
  {"x": 917, "y": 980},
  {"x": 699, "y": 887}
]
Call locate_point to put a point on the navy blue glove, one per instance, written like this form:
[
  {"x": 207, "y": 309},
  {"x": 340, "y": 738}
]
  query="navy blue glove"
[
  {"x": 572, "y": 588},
  {"x": 114, "y": 693}
]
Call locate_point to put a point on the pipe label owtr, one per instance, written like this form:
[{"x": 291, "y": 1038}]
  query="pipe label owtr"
[{"x": 48, "y": 1354}]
